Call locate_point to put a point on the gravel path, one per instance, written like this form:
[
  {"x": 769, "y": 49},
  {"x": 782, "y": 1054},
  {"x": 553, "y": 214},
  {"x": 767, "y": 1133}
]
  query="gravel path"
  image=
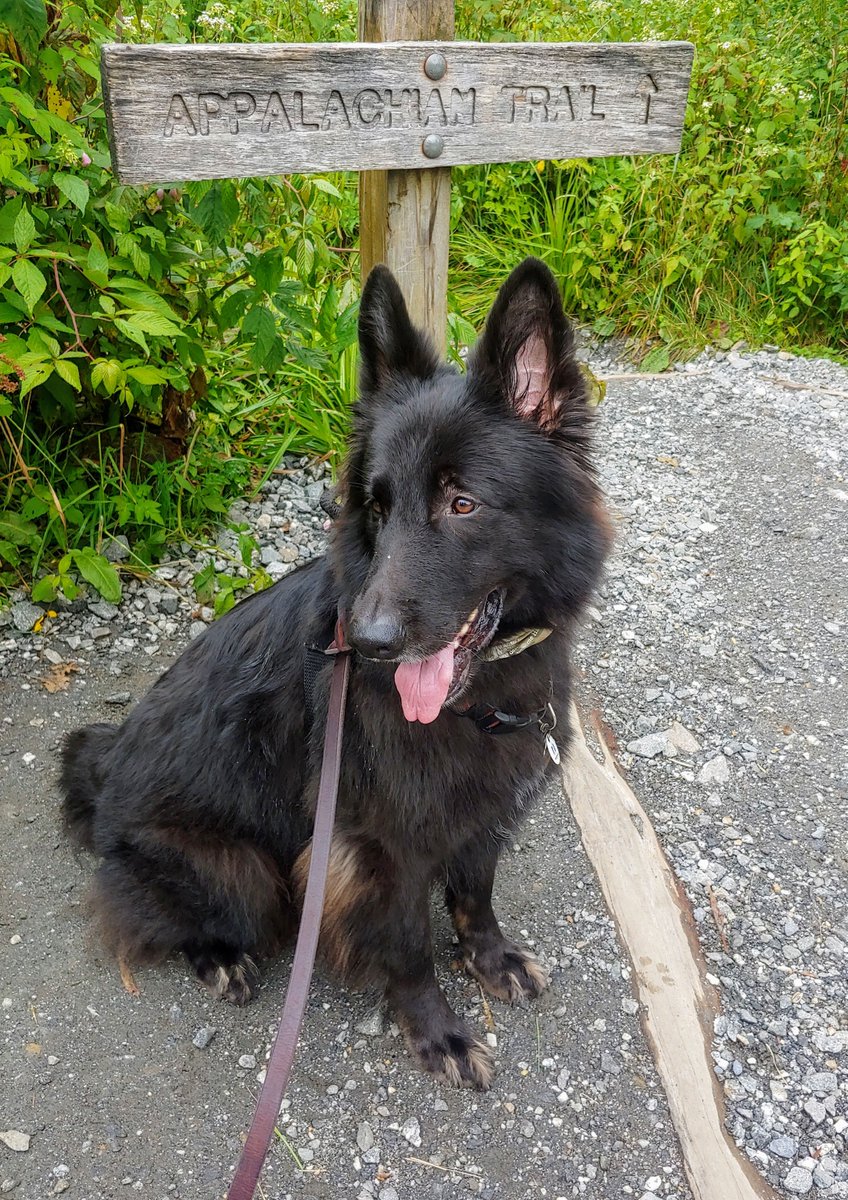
[{"x": 715, "y": 654}]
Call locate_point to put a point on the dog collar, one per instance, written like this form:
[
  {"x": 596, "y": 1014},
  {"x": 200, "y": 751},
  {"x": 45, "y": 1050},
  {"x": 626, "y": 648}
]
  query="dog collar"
[
  {"x": 489, "y": 719},
  {"x": 515, "y": 643}
]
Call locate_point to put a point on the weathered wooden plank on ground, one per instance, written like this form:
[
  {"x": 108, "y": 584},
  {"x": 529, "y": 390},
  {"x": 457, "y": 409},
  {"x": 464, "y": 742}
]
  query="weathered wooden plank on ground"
[
  {"x": 216, "y": 111},
  {"x": 643, "y": 899}
]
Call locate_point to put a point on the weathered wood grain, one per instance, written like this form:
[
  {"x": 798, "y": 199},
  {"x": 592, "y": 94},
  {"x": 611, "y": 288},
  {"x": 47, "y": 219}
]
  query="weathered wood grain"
[
  {"x": 206, "y": 112},
  {"x": 678, "y": 1006},
  {"x": 405, "y": 215}
]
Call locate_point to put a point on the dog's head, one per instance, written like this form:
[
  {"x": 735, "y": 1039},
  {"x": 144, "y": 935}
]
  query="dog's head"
[{"x": 470, "y": 508}]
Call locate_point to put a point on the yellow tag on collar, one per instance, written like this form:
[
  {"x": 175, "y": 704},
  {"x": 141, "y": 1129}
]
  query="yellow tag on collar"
[{"x": 514, "y": 643}]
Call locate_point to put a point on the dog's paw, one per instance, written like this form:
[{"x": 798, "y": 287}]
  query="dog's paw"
[
  {"x": 235, "y": 982},
  {"x": 455, "y": 1056},
  {"x": 507, "y": 971}
]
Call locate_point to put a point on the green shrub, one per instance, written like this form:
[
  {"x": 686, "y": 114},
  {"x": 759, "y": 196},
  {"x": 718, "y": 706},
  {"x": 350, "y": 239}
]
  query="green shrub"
[
  {"x": 745, "y": 232},
  {"x": 162, "y": 349}
]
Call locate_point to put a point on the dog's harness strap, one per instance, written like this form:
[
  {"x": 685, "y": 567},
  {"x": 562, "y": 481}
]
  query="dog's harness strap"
[{"x": 282, "y": 1053}]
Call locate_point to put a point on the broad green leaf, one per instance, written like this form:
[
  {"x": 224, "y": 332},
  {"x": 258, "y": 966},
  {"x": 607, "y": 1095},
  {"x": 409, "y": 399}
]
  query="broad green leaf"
[
  {"x": 151, "y": 322},
  {"x": 74, "y": 188},
  {"x": 97, "y": 263},
  {"x": 69, "y": 587},
  {"x": 234, "y": 306},
  {"x": 8, "y": 216},
  {"x": 109, "y": 373},
  {"x": 133, "y": 333},
  {"x": 655, "y": 360},
  {"x": 218, "y": 211},
  {"x": 204, "y": 583},
  {"x": 9, "y": 553},
  {"x": 260, "y": 324},
  {"x": 99, "y": 572},
  {"x": 29, "y": 281},
  {"x": 26, "y": 20},
  {"x": 139, "y": 258},
  {"x": 69, "y": 371},
  {"x": 45, "y": 589},
  {"x": 324, "y": 185},
  {"x": 24, "y": 230},
  {"x": 13, "y": 528},
  {"x": 147, "y": 374},
  {"x": 35, "y": 373},
  {"x": 268, "y": 270}
]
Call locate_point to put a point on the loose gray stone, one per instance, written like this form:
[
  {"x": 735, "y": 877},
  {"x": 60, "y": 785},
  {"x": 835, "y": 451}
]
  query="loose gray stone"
[
  {"x": 15, "y": 1140},
  {"x": 411, "y": 1130},
  {"x": 717, "y": 770},
  {"x": 103, "y": 609},
  {"x": 799, "y": 1180},
  {"x": 247, "y": 1061},
  {"x": 25, "y": 614},
  {"x": 117, "y": 549},
  {"x": 783, "y": 1147},
  {"x": 203, "y": 1037},
  {"x": 118, "y": 698},
  {"x": 373, "y": 1025},
  {"x": 648, "y": 746},
  {"x": 610, "y": 1065},
  {"x": 364, "y": 1136},
  {"x": 823, "y": 1083},
  {"x": 680, "y": 737},
  {"x": 833, "y": 1043}
]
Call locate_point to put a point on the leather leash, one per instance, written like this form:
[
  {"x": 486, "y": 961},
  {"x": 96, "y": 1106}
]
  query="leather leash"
[{"x": 279, "y": 1066}]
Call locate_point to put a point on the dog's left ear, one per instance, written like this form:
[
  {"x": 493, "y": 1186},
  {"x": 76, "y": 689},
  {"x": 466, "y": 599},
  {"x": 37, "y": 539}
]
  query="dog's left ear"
[
  {"x": 389, "y": 344},
  {"x": 526, "y": 348}
]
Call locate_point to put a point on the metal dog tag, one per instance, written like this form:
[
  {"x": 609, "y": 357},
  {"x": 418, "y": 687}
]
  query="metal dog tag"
[{"x": 547, "y": 728}]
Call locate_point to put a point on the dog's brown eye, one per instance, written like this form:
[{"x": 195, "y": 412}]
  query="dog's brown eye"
[
  {"x": 463, "y": 506},
  {"x": 376, "y": 508}
]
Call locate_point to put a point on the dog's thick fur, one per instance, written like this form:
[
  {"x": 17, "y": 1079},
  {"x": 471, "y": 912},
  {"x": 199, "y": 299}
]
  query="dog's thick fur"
[{"x": 200, "y": 804}]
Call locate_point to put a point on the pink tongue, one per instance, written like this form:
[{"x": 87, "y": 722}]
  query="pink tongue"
[{"x": 424, "y": 685}]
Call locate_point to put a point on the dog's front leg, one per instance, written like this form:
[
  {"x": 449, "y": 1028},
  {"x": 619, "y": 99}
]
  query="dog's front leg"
[
  {"x": 440, "y": 1040},
  {"x": 504, "y": 968},
  {"x": 375, "y": 931}
]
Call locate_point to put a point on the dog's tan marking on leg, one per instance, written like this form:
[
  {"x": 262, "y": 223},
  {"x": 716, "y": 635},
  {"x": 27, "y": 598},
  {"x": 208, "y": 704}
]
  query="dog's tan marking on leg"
[
  {"x": 349, "y": 884},
  {"x": 127, "y": 980}
]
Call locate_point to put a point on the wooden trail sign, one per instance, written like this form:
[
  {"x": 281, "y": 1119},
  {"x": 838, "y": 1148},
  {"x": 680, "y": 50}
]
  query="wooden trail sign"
[{"x": 217, "y": 111}]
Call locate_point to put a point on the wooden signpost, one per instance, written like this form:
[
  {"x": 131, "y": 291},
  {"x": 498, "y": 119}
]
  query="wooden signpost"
[
  {"x": 402, "y": 112},
  {"x": 212, "y": 112}
]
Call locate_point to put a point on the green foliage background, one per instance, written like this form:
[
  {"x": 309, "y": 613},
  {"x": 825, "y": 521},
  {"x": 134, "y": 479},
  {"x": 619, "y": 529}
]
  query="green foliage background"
[{"x": 161, "y": 350}]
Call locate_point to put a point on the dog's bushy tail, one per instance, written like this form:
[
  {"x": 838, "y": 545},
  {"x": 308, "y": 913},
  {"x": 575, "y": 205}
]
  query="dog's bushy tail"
[{"x": 82, "y": 757}]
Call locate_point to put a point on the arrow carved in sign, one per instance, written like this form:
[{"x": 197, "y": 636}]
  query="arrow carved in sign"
[{"x": 646, "y": 89}]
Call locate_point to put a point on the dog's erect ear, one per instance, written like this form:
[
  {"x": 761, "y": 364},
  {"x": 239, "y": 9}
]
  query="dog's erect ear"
[
  {"x": 526, "y": 348},
  {"x": 389, "y": 344}
]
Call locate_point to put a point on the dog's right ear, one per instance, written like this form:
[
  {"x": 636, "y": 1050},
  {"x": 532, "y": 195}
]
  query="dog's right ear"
[{"x": 389, "y": 344}]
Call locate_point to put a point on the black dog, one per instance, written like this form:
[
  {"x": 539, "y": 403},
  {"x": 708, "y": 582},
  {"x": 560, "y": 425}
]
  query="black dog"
[{"x": 471, "y": 534}]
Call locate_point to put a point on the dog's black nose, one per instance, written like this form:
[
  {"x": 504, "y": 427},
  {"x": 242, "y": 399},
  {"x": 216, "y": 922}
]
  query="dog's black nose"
[{"x": 381, "y": 636}]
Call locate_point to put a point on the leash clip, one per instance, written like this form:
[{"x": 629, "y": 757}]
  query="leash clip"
[{"x": 546, "y": 728}]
